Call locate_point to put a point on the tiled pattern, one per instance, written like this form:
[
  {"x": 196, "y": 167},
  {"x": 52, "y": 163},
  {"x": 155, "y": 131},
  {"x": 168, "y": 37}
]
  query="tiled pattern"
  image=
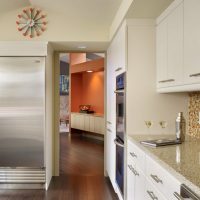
[{"x": 194, "y": 109}]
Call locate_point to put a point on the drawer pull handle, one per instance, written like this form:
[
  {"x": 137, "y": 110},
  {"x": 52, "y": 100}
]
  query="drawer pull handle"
[
  {"x": 178, "y": 196},
  {"x": 156, "y": 179},
  {"x": 133, "y": 170},
  {"x": 109, "y": 130},
  {"x": 195, "y": 75},
  {"x": 109, "y": 122},
  {"x": 118, "y": 69},
  {"x": 133, "y": 155},
  {"x": 136, "y": 173},
  {"x": 168, "y": 80},
  {"x": 152, "y": 195}
]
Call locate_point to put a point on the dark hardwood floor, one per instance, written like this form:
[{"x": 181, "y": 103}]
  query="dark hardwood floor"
[{"x": 81, "y": 174}]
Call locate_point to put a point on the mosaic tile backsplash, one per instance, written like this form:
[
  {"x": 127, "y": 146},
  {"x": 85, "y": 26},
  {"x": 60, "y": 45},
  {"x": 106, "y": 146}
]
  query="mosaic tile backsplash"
[{"x": 193, "y": 115}]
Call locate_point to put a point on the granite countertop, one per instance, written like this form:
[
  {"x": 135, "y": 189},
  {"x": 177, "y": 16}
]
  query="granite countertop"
[{"x": 182, "y": 161}]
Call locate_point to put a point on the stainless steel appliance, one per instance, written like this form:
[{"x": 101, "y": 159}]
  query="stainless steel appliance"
[
  {"x": 186, "y": 193},
  {"x": 120, "y": 131},
  {"x": 22, "y": 122}
]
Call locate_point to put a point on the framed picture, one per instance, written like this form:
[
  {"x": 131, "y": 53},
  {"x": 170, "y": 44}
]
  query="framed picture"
[{"x": 64, "y": 85}]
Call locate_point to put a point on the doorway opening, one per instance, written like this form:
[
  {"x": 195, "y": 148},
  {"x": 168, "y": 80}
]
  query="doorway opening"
[{"x": 82, "y": 124}]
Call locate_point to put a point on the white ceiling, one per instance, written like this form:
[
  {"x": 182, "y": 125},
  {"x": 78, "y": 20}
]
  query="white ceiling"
[
  {"x": 8, "y": 5},
  {"x": 96, "y": 11},
  {"x": 147, "y": 8}
]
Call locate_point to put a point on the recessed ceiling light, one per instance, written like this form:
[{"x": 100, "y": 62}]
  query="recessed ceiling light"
[
  {"x": 89, "y": 71},
  {"x": 82, "y": 47}
]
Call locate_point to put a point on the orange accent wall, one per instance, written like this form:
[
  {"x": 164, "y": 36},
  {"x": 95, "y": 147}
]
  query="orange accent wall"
[
  {"x": 76, "y": 92},
  {"x": 87, "y": 88},
  {"x": 93, "y": 90}
]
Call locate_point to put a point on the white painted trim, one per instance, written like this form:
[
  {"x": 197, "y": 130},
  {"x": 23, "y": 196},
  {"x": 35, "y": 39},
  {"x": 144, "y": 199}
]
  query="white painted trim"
[
  {"x": 140, "y": 22},
  {"x": 171, "y": 7},
  {"x": 181, "y": 88},
  {"x": 23, "y": 48}
]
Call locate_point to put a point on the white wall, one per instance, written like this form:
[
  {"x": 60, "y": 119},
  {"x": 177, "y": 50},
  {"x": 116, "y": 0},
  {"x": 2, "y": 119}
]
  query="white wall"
[
  {"x": 49, "y": 126},
  {"x": 59, "y": 28},
  {"x": 143, "y": 103}
]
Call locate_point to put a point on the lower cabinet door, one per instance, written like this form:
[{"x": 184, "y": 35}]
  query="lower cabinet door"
[
  {"x": 130, "y": 182},
  {"x": 111, "y": 156},
  {"x": 140, "y": 181},
  {"x": 151, "y": 193}
]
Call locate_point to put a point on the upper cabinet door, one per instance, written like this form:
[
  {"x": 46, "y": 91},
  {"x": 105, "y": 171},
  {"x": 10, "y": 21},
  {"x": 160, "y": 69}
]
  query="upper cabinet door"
[
  {"x": 161, "y": 53},
  {"x": 119, "y": 50},
  {"x": 191, "y": 41},
  {"x": 170, "y": 49},
  {"x": 175, "y": 46}
]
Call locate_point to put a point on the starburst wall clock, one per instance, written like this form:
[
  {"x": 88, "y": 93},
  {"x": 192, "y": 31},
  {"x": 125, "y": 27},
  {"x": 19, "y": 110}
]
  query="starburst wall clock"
[{"x": 31, "y": 22}]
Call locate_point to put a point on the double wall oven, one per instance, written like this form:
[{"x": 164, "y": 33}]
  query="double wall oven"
[{"x": 120, "y": 130}]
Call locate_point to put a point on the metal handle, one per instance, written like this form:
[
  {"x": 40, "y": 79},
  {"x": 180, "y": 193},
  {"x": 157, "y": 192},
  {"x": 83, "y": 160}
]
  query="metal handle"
[
  {"x": 136, "y": 173},
  {"x": 155, "y": 178},
  {"x": 133, "y": 170},
  {"x": 133, "y": 155},
  {"x": 178, "y": 196},
  {"x": 168, "y": 80},
  {"x": 118, "y": 143},
  {"x": 109, "y": 122},
  {"x": 195, "y": 75},
  {"x": 109, "y": 130},
  {"x": 152, "y": 195},
  {"x": 188, "y": 193},
  {"x": 118, "y": 69},
  {"x": 119, "y": 91}
]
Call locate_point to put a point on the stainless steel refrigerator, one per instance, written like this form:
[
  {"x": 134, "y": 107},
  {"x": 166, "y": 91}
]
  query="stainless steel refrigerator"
[{"x": 22, "y": 122}]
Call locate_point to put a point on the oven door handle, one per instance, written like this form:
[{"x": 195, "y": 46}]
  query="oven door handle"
[
  {"x": 118, "y": 143},
  {"x": 119, "y": 91}
]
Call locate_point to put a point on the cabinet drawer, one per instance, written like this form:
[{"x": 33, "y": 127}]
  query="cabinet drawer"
[
  {"x": 162, "y": 179},
  {"x": 151, "y": 192},
  {"x": 136, "y": 155}
]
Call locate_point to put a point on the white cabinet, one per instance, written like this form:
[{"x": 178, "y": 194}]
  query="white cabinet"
[
  {"x": 99, "y": 125},
  {"x": 178, "y": 47},
  {"x": 151, "y": 192},
  {"x": 110, "y": 155},
  {"x": 116, "y": 61},
  {"x": 191, "y": 41},
  {"x": 170, "y": 49},
  {"x": 87, "y": 122},
  {"x": 147, "y": 179},
  {"x": 118, "y": 46},
  {"x": 136, "y": 181}
]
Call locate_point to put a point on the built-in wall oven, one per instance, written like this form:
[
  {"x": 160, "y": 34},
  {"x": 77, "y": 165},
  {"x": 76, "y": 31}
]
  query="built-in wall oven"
[{"x": 120, "y": 130}]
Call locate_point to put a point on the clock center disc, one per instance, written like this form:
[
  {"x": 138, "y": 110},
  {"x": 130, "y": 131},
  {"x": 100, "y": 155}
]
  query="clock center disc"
[{"x": 31, "y": 22}]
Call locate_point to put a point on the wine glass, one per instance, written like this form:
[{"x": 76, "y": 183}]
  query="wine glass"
[
  {"x": 163, "y": 124},
  {"x": 148, "y": 124}
]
